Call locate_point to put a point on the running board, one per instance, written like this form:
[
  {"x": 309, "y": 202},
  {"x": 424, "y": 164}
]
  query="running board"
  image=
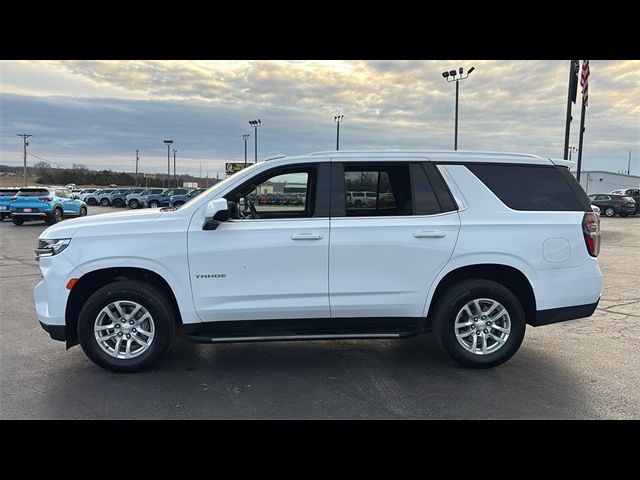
[{"x": 239, "y": 337}]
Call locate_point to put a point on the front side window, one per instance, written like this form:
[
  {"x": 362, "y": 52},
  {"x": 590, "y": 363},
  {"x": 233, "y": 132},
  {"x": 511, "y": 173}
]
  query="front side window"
[{"x": 283, "y": 194}]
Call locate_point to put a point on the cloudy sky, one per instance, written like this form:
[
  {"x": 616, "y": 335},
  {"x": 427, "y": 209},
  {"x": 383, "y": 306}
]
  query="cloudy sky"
[{"x": 100, "y": 112}]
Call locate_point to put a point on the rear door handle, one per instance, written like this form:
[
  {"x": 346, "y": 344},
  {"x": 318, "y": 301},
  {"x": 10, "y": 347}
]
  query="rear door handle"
[
  {"x": 429, "y": 234},
  {"x": 306, "y": 236}
]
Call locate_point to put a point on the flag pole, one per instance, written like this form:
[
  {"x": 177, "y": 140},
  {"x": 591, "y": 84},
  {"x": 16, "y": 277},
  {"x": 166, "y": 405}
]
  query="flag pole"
[
  {"x": 571, "y": 97},
  {"x": 583, "y": 111}
]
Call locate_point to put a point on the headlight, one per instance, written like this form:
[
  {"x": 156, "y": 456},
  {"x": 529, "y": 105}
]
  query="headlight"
[{"x": 48, "y": 248}]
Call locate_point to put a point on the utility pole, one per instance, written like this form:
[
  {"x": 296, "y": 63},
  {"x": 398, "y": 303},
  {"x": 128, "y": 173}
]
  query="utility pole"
[
  {"x": 245, "y": 147},
  {"x": 137, "y": 160},
  {"x": 571, "y": 150},
  {"x": 175, "y": 179},
  {"x": 25, "y": 144},
  {"x": 338, "y": 119},
  {"x": 629, "y": 164}
]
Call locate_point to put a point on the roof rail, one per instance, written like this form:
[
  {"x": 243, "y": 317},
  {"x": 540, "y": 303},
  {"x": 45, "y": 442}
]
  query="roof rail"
[{"x": 427, "y": 152}]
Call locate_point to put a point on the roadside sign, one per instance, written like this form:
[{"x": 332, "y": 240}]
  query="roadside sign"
[{"x": 234, "y": 167}]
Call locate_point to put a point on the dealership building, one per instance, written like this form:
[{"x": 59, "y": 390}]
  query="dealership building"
[{"x": 600, "y": 181}]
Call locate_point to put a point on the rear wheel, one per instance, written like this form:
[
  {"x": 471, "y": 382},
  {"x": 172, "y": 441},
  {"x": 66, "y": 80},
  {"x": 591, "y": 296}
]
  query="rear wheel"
[
  {"x": 134, "y": 203},
  {"x": 177, "y": 204},
  {"x": 153, "y": 204},
  {"x": 623, "y": 214},
  {"x": 479, "y": 323},
  {"x": 55, "y": 217},
  {"x": 125, "y": 326},
  {"x": 104, "y": 202},
  {"x": 118, "y": 203},
  {"x": 17, "y": 221},
  {"x": 609, "y": 212},
  {"x": 92, "y": 202}
]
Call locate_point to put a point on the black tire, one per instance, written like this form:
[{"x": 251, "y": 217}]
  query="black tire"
[
  {"x": 140, "y": 292},
  {"x": 134, "y": 204},
  {"x": 17, "y": 221},
  {"x": 609, "y": 212},
  {"x": 624, "y": 214},
  {"x": 83, "y": 211},
  {"x": 104, "y": 202},
  {"x": 92, "y": 202},
  {"x": 177, "y": 204},
  {"x": 55, "y": 217},
  {"x": 118, "y": 203},
  {"x": 154, "y": 204},
  {"x": 357, "y": 204},
  {"x": 454, "y": 299}
]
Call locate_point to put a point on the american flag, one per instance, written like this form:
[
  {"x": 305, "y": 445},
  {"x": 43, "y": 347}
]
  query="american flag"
[{"x": 584, "y": 82}]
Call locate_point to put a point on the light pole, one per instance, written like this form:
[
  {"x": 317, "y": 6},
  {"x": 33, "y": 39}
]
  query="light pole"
[
  {"x": 338, "y": 119},
  {"x": 175, "y": 180},
  {"x": 137, "y": 161},
  {"x": 25, "y": 144},
  {"x": 255, "y": 124},
  {"x": 168, "y": 142},
  {"x": 450, "y": 76},
  {"x": 244, "y": 137},
  {"x": 571, "y": 150}
]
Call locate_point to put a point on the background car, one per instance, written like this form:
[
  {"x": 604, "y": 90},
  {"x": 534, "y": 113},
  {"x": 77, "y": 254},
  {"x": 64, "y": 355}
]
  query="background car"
[
  {"x": 103, "y": 198},
  {"x": 361, "y": 199},
  {"x": 91, "y": 198},
  {"x": 631, "y": 192},
  {"x": 50, "y": 205},
  {"x": 5, "y": 197},
  {"x": 612, "y": 205},
  {"x": 177, "y": 200},
  {"x": 134, "y": 200},
  {"x": 155, "y": 200},
  {"x": 118, "y": 198}
]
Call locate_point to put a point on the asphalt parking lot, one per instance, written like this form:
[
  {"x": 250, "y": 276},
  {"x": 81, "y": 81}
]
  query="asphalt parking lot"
[{"x": 583, "y": 369}]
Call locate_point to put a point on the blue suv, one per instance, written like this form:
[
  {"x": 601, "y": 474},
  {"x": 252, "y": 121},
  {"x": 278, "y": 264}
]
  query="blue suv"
[
  {"x": 5, "y": 196},
  {"x": 50, "y": 205}
]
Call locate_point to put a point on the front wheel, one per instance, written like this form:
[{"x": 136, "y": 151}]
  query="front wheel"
[
  {"x": 104, "y": 202},
  {"x": 610, "y": 212},
  {"x": 17, "y": 221},
  {"x": 623, "y": 214},
  {"x": 134, "y": 204},
  {"x": 83, "y": 211},
  {"x": 118, "y": 203},
  {"x": 153, "y": 204},
  {"x": 479, "y": 323},
  {"x": 125, "y": 326}
]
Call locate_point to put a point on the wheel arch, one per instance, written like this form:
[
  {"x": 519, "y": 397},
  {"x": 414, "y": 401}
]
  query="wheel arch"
[
  {"x": 88, "y": 283},
  {"x": 508, "y": 276}
]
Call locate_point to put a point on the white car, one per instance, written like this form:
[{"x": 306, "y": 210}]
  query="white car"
[{"x": 473, "y": 247}]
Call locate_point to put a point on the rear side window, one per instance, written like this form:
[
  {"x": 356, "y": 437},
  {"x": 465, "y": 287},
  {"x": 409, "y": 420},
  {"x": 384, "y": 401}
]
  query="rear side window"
[{"x": 532, "y": 188}]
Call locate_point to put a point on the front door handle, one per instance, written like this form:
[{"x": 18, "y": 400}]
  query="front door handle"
[
  {"x": 429, "y": 234},
  {"x": 306, "y": 236}
]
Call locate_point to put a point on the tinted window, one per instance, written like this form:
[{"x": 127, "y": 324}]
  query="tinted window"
[
  {"x": 377, "y": 189},
  {"x": 527, "y": 187},
  {"x": 8, "y": 193}
]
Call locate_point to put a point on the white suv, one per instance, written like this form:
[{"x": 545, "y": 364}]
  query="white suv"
[{"x": 472, "y": 246}]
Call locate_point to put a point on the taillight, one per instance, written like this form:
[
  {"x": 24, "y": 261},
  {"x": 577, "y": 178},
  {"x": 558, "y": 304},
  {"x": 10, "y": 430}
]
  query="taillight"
[
  {"x": 45, "y": 199},
  {"x": 591, "y": 231}
]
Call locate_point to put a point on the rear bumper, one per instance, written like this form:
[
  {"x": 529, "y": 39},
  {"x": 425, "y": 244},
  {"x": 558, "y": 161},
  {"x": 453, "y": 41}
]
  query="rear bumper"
[
  {"x": 56, "y": 332},
  {"x": 556, "y": 315}
]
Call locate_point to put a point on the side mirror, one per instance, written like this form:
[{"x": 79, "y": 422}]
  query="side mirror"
[{"x": 216, "y": 213}]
